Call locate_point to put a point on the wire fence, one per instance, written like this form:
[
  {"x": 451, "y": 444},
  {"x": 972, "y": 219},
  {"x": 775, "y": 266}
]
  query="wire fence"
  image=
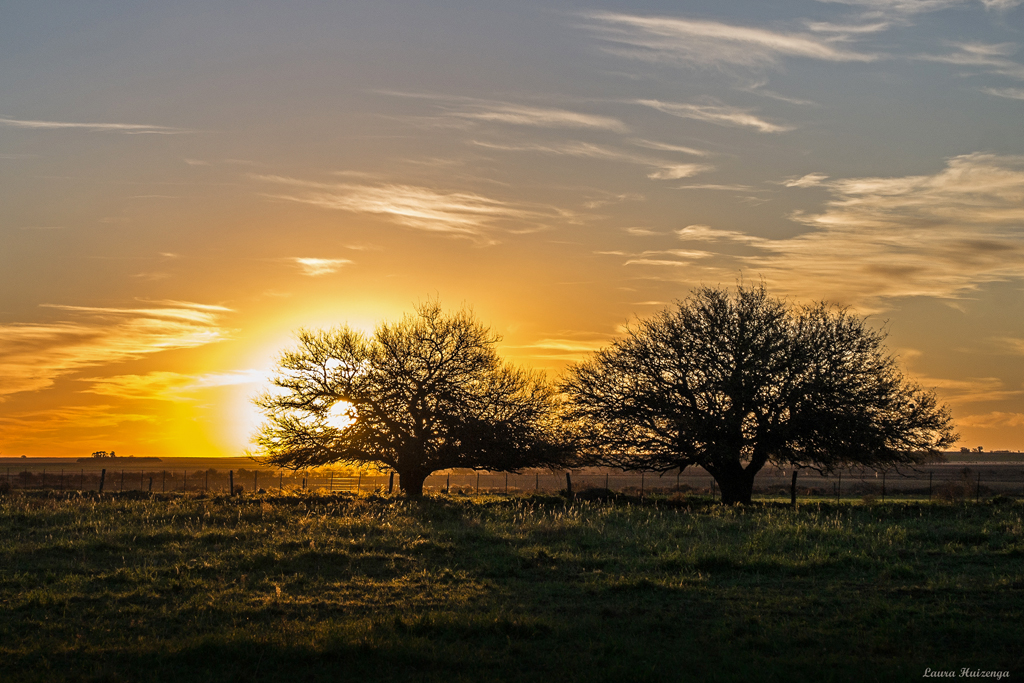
[{"x": 947, "y": 481}]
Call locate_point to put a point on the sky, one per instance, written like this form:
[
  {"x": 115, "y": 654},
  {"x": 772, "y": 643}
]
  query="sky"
[{"x": 184, "y": 185}]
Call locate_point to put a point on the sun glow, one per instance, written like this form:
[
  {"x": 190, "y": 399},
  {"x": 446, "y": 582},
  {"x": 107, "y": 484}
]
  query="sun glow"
[{"x": 342, "y": 415}]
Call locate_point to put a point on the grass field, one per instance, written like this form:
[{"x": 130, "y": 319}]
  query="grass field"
[{"x": 288, "y": 588}]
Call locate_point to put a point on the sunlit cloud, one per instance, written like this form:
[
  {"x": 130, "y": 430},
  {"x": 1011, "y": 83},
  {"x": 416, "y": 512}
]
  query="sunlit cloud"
[
  {"x": 42, "y": 422},
  {"x": 809, "y": 180},
  {"x": 705, "y": 233},
  {"x": 909, "y": 7},
  {"x": 986, "y": 57},
  {"x": 521, "y": 115},
  {"x": 130, "y": 128},
  {"x": 665, "y": 147},
  {"x": 933, "y": 235},
  {"x": 168, "y": 386},
  {"x": 717, "y": 114},
  {"x": 664, "y": 170},
  {"x": 1008, "y": 93},
  {"x": 569, "y": 348},
  {"x": 712, "y": 43},
  {"x": 992, "y": 420},
  {"x": 463, "y": 214},
  {"x": 314, "y": 267},
  {"x": 970, "y": 390},
  {"x": 33, "y": 355}
]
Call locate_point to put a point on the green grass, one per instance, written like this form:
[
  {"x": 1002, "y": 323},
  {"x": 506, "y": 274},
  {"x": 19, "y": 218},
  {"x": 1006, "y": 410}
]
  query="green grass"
[{"x": 132, "y": 588}]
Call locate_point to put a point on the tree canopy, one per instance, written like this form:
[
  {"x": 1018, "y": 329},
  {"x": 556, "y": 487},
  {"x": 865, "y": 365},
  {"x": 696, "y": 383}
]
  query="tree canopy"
[
  {"x": 731, "y": 382},
  {"x": 426, "y": 393}
]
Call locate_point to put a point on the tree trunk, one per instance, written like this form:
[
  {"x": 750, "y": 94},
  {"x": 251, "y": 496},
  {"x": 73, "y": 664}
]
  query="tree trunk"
[
  {"x": 411, "y": 482},
  {"x": 736, "y": 483}
]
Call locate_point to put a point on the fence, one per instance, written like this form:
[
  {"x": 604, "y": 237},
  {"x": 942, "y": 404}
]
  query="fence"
[{"x": 949, "y": 481}]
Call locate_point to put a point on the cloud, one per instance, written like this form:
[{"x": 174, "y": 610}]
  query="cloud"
[
  {"x": 971, "y": 390},
  {"x": 130, "y": 128},
  {"x": 521, "y": 115},
  {"x": 664, "y": 147},
  {"x": 314, "y": 267},
  {"x": 168, "y": 386},
  {"x": 78, "y": 417},
  {"x": 908, "y": 7},
  {"x": 1008, "y": 93},
  {"x": 992, "y": 420},
  {"x": 712, "y": 43},
  {"x": 717, "y": 114},
  {"x": 930, "y": 235},
  {"x": 565, "y": 348},
  {"x": 991, "y": 58},
  {"x": 33, "y": 355},
  {"x": 664, "y": 170},
  {"x": 705, "y": 233},
  {"x": 461, "y": 214},
  {"x": 809, "y": 180}
]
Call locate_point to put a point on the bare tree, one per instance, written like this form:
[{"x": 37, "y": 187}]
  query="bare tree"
[
  {"x": 423, "y": 394},
  {"x": 733, "y": 382}
]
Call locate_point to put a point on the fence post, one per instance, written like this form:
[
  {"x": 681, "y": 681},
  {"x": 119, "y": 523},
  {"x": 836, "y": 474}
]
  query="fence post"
[
  {"x": 536, "y": 483},
  {"x": 448, "y": 484},
  {"x": 231, "y": 483},
  {"x": 256, "y": 480},
  {"x": 478, "y": 483},
  {"x": 206, "y": 481},
  {"x": 568, "y": 482},
  {"x": 929, "y": 486},
  {"x": 506, "y": 483},
  {"x": 839, "y": 486},
  {"x": 883, "y": 486},
  {"x": 332, "y": 481},
  {"x": 62, "y": 481},
  {"x": 151, "y": 483},
  {"x": 792, "y": 487},
  {"x": 359, "y": 483},
  {"x": 81, "y": 481},
  {"x": 281, "y": 483},
  {"x": 122, "y": 481},
  {"x": 391, "y": 483},
  {"x": 103, "y": 477},
  {"x": 977, "y": 491},
  {"x": 641, "y": 483},
  {"x": 606, "y": 482}
]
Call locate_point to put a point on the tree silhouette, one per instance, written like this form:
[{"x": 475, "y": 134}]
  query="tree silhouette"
[
  {"x": 733, "y": 382},
  {"x": 423, "y": 394}
]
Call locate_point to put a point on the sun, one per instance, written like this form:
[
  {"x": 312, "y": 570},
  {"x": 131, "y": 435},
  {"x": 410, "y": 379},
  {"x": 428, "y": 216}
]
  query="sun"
[{"x": 342, "y": 415}]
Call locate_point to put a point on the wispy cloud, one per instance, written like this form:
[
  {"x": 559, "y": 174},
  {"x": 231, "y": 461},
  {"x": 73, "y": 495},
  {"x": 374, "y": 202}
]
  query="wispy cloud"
[
  {"x": 970, "y": 390},
  {"x": 712, "y": 43},
  {"x": 931, "y": 235},
  {"x": 569, "y": 347},
  {"x": 43, "y": 422},
  {"x": 130, "y": 128},
  {"x": 314, "y": 267},
  {"x": 522, "y": 115},
  {"x": 33, "y": 355},
  {"x": 990, "y": 58},
  {"x": 992, "y": 420},
  {"x": 909, "y": 7},
  {"x": 168, "y": 386},
  {"x": 717, "y": 114},
  {"x": 1008, "y": 93},
  {"x": 475, "y": 109},
  {"x": 809, "y": 180},
  {"x": 462, "y": 214},
  {"x": 663, "y": 169}
]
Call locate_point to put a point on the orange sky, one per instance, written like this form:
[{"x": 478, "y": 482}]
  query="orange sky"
[{"x": 183, "y": 187}]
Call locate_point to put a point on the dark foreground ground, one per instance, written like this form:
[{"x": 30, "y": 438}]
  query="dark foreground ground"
[{"x": 286, "y": 588}]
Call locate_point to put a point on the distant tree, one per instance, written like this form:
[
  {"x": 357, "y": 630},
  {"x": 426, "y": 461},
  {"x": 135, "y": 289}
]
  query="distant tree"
[
  {"x": 424, "y": 394},
  {"x": 733, "y": 382}
]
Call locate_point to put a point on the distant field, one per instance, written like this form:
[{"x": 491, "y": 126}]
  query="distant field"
[{"x": 134, "y": 587}]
